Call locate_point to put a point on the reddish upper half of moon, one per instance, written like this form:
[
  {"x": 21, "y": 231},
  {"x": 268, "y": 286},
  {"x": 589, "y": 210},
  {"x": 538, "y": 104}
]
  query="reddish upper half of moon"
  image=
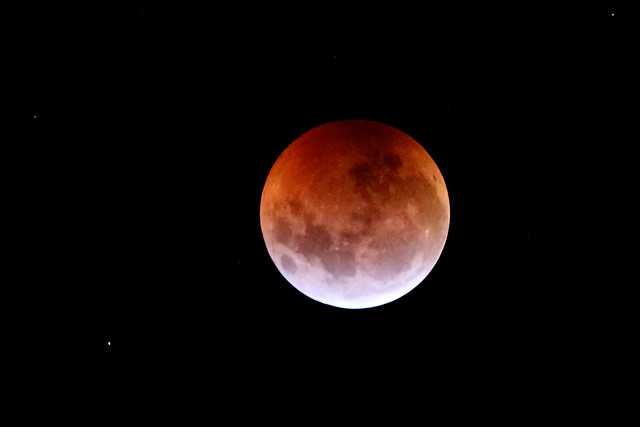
[{"x": 351, "y": 165}]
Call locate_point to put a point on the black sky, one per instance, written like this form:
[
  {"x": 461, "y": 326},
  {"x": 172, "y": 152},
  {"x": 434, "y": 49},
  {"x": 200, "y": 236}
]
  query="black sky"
[{"x": 148, "y": 130}]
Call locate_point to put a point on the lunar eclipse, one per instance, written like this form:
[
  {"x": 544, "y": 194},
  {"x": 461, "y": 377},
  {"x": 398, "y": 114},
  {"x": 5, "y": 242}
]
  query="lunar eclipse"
[{"x": 355, "y": 213}]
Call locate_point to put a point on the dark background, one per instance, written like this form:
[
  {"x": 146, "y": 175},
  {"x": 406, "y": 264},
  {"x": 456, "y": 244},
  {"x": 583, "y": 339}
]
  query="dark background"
[{"x": 147, "y": 130}]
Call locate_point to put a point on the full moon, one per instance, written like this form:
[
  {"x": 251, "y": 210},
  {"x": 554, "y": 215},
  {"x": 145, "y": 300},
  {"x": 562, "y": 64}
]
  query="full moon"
[{"x": 354, "y": 213}]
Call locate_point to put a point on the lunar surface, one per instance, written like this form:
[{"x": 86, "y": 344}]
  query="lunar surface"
[{"x": 354, "y": 213}]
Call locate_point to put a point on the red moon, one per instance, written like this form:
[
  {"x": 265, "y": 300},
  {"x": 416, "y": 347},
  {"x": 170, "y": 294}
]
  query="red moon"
[{"x": 354, "y": 213}]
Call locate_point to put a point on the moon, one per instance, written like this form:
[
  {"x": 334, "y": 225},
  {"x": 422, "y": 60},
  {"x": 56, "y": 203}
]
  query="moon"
[{"x": 354, "y": 213}]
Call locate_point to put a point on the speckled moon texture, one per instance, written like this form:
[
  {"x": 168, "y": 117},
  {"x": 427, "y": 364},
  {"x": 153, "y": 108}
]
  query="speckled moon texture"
[{"x": 355, "y": 213}]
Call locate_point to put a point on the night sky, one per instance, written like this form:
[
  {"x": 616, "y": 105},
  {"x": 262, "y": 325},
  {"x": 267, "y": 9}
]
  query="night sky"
[{"x": 147, "y": 131}]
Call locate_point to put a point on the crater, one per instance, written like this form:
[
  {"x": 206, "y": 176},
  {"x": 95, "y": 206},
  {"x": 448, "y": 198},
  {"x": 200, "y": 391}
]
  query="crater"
[
  {"x": 395, "y": 253},
  {"x": 375, "y": 176},
  {"x": 352, "y": 238},
  {"x": 366, "y": 216},
  {"x": 282, "y": 231},
  {"x": 288, "y": 264},
  {"x": 295, "y": 206},
  {"x": 315, "y": 242},
  {"x": 339, "y": 263},
  {"x": 392, "y": 161}
]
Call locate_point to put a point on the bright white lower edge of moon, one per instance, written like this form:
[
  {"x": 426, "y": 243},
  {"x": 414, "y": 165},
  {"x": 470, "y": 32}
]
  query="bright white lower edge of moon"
[{"x": 355, "y": 214}]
